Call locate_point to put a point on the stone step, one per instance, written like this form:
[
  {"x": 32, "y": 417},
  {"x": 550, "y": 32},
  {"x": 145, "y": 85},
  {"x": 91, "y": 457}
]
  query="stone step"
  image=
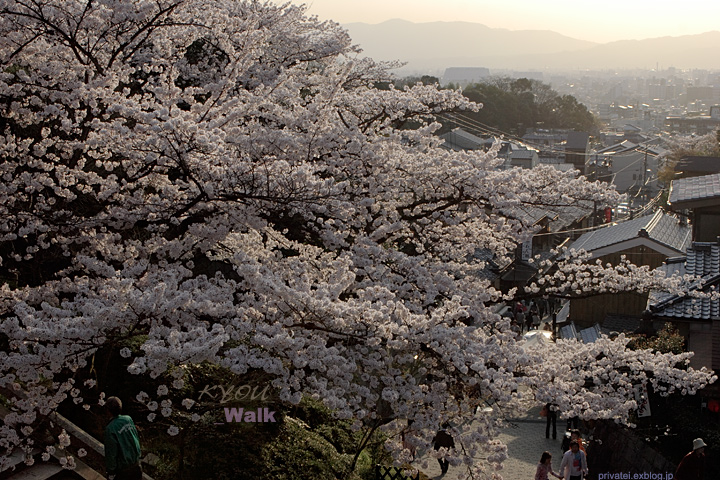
[
  {"x": 17, "y": 461},
  {"x": 39, "y": 471},
  {"x": 81, "y": 469}
]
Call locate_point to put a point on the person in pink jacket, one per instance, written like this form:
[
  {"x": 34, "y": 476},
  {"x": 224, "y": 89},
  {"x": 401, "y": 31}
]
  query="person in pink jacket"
[{"x": 544, "y": 468}]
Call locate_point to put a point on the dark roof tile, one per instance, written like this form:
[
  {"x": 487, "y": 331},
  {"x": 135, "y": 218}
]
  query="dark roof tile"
[
  {"x": 703, "y": 260},
  {"x": 660, "y": 227},
  {"x": 695, "y": 188}
]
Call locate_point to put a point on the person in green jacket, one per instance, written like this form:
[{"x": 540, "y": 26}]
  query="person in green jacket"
[{"x": 122, "y": 444}]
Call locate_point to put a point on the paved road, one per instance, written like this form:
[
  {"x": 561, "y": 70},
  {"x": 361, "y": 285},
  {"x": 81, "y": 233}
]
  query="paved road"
[{"x": 525, "y": 438}]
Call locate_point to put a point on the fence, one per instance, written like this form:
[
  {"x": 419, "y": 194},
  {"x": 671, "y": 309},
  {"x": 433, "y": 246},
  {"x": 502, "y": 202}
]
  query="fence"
[{"x": 392, "y": 473}]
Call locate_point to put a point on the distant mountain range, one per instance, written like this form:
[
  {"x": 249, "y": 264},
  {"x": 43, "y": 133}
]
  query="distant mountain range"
[{"x": 434, "y": 46}]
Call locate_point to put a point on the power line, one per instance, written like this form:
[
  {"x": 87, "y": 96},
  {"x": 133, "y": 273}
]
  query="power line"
[
  {"x": 586, "y": 229},
  {"x": 640, "y": 148},
  {"x": 471, "y": 123},
  {"x": 474, "y": 124}
]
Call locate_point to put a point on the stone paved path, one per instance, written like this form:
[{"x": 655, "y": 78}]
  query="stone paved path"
[{"x": 525, "y": 438}]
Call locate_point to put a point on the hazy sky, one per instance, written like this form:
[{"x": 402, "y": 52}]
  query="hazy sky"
[{"x": 593, "y": 20}]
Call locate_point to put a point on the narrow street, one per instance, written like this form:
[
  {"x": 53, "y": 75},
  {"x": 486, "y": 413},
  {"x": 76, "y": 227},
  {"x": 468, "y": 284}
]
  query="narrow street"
[{"x": 525, "y": 438}]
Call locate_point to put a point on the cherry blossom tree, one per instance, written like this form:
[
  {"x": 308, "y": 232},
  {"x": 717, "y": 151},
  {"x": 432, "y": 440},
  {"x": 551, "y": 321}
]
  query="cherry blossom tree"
[
  {"x": 707, "y": 145},
  {"x": 221, "y": 181}
]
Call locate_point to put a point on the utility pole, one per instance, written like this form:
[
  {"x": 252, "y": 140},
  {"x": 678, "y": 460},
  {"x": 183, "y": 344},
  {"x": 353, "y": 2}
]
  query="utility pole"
[{"x": 644, "y": 173}]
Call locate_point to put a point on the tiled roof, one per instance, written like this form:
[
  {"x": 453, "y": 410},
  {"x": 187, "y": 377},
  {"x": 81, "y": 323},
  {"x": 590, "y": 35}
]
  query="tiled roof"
[
  {"x": 659, "y": 227},
  {"x": 590, "y": 334},
  {"x": 625, "y": 324},
  {"x": 627, "y": 146},
  {"x": 586, "y": 335},
  {"x": 620, "y": 324},
  {"x": 529, "y": 214},
  {"x": 490, "y": 272},
  {"x": 703, "y": 260},
  {"x": 623, "y": 146},
  {"x": 698, "y": 164},
  {"x": 577, "y": 141},
  {"x": 563, "y": 314},
  {"x": 652, "y": 149},
  {"x": 695, "y": 188},
  {"x": 523, "y": 154},
  {"x": 567, "y": 215},
  {"x": 559, "y": 216},
  {"x": 459, "y": 139}
]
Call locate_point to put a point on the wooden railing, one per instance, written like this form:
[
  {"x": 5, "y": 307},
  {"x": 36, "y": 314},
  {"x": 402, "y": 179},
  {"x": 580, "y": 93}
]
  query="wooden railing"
[{"x": 40, "y": 470}]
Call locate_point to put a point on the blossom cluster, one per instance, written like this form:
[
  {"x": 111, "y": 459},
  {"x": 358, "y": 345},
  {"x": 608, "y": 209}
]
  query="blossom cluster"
[{"x": 224, "y": 181}]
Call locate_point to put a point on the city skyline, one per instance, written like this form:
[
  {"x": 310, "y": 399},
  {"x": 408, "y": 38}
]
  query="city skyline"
[{"x": 583, "y": 20}]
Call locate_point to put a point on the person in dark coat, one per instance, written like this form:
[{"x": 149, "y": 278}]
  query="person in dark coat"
[
  {"x": 692, "y": 466},
  {"x": 550, "y": 418},
  {"x": 443, "y": 439}
]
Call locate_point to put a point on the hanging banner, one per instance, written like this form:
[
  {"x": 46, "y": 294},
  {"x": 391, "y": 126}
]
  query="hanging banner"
[
  {"x": 527, "y": 250},
  {"x": 641, "y": 397}
]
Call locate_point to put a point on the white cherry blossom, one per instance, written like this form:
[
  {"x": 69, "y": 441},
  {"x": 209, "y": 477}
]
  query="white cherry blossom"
[{"x": 223, "y": 182}]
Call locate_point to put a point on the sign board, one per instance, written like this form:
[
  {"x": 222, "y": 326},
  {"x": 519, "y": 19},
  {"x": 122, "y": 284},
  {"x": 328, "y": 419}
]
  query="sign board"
[
  {"x": 527, "y": 250},
  {"x": 641, "y": 397}
]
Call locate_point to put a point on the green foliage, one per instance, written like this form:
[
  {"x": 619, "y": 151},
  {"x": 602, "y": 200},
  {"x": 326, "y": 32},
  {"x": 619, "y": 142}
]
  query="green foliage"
[
  {"x": 226, "y": 451},
  {"x": 306, "y": 442},
  {"x": 414, "y": 80},
  {"x": 514, "y": 105},
  {"x": 213, "y": 449},
  {"x": 312, "y": 412},
  {"x": 668, "y": 340},
  {"x": 298, "y": 452},
  {"x": 339, "y": 434}
]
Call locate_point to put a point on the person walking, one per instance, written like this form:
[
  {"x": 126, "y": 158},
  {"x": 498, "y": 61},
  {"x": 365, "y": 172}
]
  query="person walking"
[
  {"x": 443, "y": 439},
  {"x": 574, "y": 463},
  {"x": 520, "y": 319},
  {"x": 408, "y": 432},
  {"x": 535, "y": 318},
  {"x": 550, "y": 417},
  {"x": 692, "y": 466},
  {"x": 570, "y": 436},
  {"x": 573, "y": 423},
  {"x": 544, "y": 468},
  {"x": 122, "y": 444}
]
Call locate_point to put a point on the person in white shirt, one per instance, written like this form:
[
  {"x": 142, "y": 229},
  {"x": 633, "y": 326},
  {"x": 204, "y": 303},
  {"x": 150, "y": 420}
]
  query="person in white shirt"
[{"x": 574, "y": 463}]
